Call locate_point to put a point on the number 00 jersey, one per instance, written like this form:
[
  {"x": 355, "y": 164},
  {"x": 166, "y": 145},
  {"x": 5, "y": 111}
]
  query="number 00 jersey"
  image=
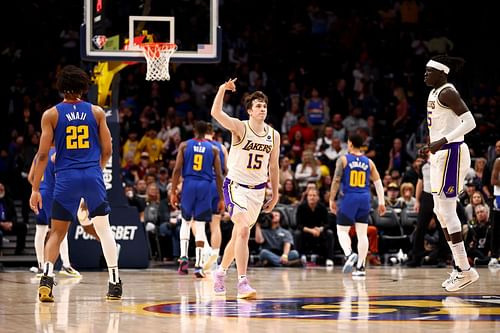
[
  {"x": 248, "y": 160},
  {"x": 356, "y": 178},
  {"x": 76, "y": 137}
]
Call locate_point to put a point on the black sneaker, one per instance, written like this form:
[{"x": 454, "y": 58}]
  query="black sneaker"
[
  {"x": 114, "y": 291},
  {"x": 45, "y": 289}
]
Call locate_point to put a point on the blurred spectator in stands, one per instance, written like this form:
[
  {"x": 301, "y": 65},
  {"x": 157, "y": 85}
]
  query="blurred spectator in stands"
[
  {"x": 257, "y": 73},
  {"x": 368, "y": 148},
  {"x": 339, "y": 130},
  {"x": 354, "y": 120},
  {"x": 407, "y": 197},
  {"x": 8, "y": 222},
  {"x": 308, "y": 170},
  {"x": 203, "y": 92},
  {"x": 401, "y": 112},
  {"x": 432, "y": 245},
  {"x": 162, "y": 182},
  {"x": 168, "y": 128},
  {"x": 188, "y": 125},
  {"x": 482, "y": 182},
  {"x": 276, "y": 244},
  {"x": 130, "y": 153},
  {"x": 240, "y": 111},
  {"x": 325, "y": 139},
  {"x": 439, "y": 43},
  {"x": 156, "y": 212},
  {"x": 182, "y": 98},
  {"x": 412, "y": 173},
  {"x": 340, "y": 99},
  {"x": 465, "y": 197},
  {"x": 391, "y": 199},
  {"x": 478, "y": 241},
  {"x": 316, "y": 110},
  {"x": 286, "y": 171},
  {"x": 477, "y": 198},
  {"x": 151, "y": 144},
  {"x": 397, "y": 156},
  {"x": 312, "y": 234},
  {"x": 290, "y": 195},
  {"x": 291, "y": 116},
  {"x": 297, "y": 145},
  {"x": 302, "y": 127}
]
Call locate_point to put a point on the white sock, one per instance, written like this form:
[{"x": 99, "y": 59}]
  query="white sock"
[
  {"x": 185, "y": 234},
  {"x": 48, "y": 268},
  {"x": 215, "y": 252},
  {"x": 460, "y": 256},
  {"x": 108, "y": 244},
  {"x": 361, "y": 232},
  {"x": 344, "y": 239},
  {"x": 199, "y": 251},
  {"x": 64, "y": 252},
  {"x": 222, "y": 270},
  {"x": 242, "y": 277},
  {"x": 40, "y": 234}
]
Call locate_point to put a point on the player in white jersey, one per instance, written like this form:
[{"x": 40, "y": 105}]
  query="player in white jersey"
[
  {"x": 449, "y": 119},
  {"x": 253, "y": 159}
]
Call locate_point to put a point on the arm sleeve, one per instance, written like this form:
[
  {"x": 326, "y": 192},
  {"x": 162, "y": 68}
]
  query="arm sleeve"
[{"x": 467, "y": 124}]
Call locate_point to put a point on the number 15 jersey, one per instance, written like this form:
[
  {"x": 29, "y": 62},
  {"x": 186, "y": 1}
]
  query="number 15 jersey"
[
  {"x": 248, "y": 160},
  {"x": 356, "y": 178},
  {"x": 76, "y": 137}
]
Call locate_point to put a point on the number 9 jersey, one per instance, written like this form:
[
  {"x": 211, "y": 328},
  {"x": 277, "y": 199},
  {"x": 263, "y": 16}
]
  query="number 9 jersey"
[{"x": 76, "y": 137}]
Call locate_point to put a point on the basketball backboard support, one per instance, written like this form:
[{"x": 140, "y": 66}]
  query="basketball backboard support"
[{"x": 109, "y": 25}]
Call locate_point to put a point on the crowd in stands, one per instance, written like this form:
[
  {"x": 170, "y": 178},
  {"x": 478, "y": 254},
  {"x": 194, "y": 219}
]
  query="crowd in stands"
[{"x": 329, "y": 70}]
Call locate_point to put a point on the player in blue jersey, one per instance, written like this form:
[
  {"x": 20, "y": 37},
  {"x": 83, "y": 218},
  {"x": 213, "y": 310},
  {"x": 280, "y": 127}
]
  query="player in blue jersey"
[
  {"x": 354, "y": 171},
  {"x": 215, "y": 232},
  {"x": 43, "y": 218},
  {"x": 196, "y": 159},
  {"x": 82, "y": 141}
]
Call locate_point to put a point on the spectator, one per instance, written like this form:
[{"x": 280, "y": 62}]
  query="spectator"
[
  {"x": 316, "y": 110},
  {"x": 307, "y": 171},
  {"x": 397, "y": 156},
  {"x": 478, "y": 239},
  {"x": 326, "y": 138},
  {"x": 407, "y": 198},
  {"x": 312, "y": 234},
  {"x": 9, "y": 224},
  {"x": 412, "y": 174},
  {"x": 392, "y": 196},
  {"x": 276, "y": 244},
  {"x": 156, "y": 213},
  {"x": 303, "y": 128},
  {"x": 476, "y": 199},
  {"x": 289, "y": 193},
  {"x": 286, "y": 172},
  {"x": 291, "y": 116}
]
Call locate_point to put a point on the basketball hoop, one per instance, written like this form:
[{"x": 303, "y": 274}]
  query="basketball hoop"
[{"x": 157, "y": 59}]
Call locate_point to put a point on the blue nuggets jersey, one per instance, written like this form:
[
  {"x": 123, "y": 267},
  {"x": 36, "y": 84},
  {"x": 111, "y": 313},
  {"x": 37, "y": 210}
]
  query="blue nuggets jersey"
[
  {"x": 48, "y": 179},
  {"x": 218, "y": 145},
  {"x": 198, "y": 160},
  {"x": 76, "y": 137},
  {"x": 356, "y": 178}
]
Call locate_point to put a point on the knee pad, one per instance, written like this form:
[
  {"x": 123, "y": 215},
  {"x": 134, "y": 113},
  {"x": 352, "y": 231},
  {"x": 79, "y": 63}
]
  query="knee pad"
[
  {"x": 185, "y": 231},
  {"x": 448, "y": 212},
  {"x": 200, "y": 235}
]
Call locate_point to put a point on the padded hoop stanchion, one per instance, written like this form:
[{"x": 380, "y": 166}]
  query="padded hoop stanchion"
[{"x": 158, "y": 59}]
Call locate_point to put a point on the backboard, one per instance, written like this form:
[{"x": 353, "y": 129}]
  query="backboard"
[{"x": 110, "y": 25}]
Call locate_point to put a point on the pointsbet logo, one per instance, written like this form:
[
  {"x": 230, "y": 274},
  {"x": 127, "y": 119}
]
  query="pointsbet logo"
[{"x": 121, "y": 232}]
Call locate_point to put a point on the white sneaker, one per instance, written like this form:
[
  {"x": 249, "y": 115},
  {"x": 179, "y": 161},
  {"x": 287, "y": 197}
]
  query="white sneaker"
[
  {"x": 329, "y": 263},
  {"x": 450, "y": 278},
  {"x": 462, "y": 280},
  {"x": 493, "y": 262},
  {"x": 349, "y": 263},
  {"x": 359, "y": 273}
]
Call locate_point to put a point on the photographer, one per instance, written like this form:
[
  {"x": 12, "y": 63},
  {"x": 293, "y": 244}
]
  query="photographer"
[{"x": 276, "y": 242}]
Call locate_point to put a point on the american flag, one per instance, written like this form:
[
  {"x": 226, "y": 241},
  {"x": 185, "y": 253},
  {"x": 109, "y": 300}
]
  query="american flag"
[{"x": 205, "y": 48}]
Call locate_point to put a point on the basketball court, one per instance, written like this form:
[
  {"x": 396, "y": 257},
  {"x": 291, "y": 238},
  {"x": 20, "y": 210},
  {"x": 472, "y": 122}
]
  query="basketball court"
[{"x": 390, "y": 299}]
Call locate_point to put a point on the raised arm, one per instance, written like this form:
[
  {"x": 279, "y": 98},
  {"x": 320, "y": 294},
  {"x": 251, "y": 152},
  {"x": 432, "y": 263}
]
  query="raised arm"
[
  {"x": 234, "y": 125},
  {"x": 104, "y": 135}
]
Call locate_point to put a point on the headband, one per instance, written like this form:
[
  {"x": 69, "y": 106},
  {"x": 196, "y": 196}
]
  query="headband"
[{"x": 439, "y": 66}]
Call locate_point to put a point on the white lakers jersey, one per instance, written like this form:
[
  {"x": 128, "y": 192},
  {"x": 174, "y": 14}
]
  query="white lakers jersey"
[
  {"x": 441, "y": 120},
  {"x": 248, "y": 160}
]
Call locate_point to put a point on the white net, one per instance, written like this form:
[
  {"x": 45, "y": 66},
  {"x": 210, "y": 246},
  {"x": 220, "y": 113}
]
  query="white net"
[{"x": 158, "y": 59}]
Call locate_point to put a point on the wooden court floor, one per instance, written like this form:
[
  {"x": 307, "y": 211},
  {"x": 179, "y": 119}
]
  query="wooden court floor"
[{"x": 390, "y": 299}]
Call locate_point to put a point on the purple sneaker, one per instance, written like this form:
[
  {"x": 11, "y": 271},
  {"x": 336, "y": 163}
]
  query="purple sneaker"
[
  {"x": 245, "y": 291},
  {"x": 183, "y": 266},
  {"x": 219, "y": 287}
]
